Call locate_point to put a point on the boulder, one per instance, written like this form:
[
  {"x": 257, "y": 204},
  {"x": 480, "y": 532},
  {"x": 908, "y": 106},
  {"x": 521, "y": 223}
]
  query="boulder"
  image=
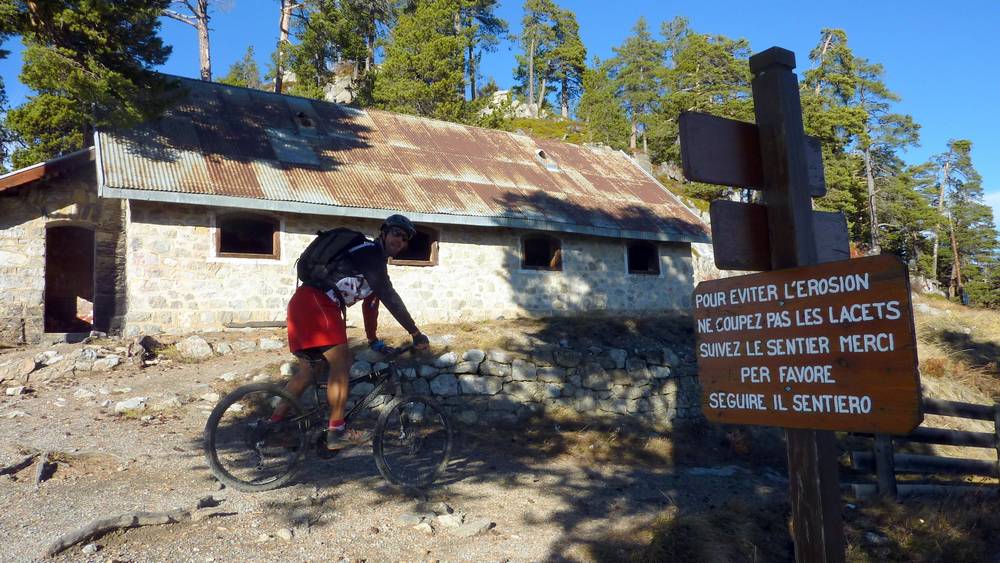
[
  {"x": 271, "y": 344},
  {"x": 523, "y": 371},
  {"x": 476, "y": 356},
  {"x": 567, "y": 357},
  {"x": 480, "y": 385},
  {"x": 133, "y": 404},
  {"x": 500, "y": 356},
  {"x": 194, "y": 348},
  {"x": 446, "y": 360},
  {"x": 444, "y": 385}
]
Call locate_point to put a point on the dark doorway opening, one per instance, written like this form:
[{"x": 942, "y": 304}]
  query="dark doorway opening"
[{"x": 69, "y": 279}]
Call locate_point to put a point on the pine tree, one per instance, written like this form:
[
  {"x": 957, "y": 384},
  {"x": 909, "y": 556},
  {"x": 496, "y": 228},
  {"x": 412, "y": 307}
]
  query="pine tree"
[
  {"x": 196, "y": 14},
  {"x": 538, "y": 40},
  {"x": 244, "y": 72},
  {"x": 601, "y": 110},
  {"x": 90, "y": 64},
  {"x": 638, "y": 70},
  {"x": 328, "y": 32},
  {"x": 965, "y": 237},
  {"x": 569, "y": 59},
  {"x": 424, "y": 63},
  {"x": 7, "y": 28},
  {"x": 483, "y": 31}
]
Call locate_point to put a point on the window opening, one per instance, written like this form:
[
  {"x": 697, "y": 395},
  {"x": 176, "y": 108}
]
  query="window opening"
[
  {"x": 422, "y": 249},
  {"x": 541, "y": 252},
  {"x": 643, "y": 258},
  {"x": 248, "y": 236}
]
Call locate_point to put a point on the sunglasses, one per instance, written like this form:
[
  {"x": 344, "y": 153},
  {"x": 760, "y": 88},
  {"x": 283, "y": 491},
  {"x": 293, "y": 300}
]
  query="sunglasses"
[{"x": 399, "y": 233}]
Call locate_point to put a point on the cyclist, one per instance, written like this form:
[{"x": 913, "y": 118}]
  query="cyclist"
[{"x": 315, "y": 321}]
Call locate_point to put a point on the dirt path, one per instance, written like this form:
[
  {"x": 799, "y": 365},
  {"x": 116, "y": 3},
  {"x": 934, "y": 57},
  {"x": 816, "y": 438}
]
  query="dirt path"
[{"x": 542, "y": 506}]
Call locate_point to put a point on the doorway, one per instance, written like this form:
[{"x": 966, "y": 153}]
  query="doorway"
[{"x": 69, "y": 279}]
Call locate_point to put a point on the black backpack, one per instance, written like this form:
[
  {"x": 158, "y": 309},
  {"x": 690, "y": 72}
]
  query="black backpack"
[{"x": 319, "y": 263}]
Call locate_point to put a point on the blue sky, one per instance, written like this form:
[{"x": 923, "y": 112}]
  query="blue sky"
[{"x": 940, "y": 57}]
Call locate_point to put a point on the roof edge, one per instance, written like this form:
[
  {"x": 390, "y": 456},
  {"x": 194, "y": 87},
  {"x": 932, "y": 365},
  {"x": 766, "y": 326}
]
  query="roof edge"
[
  {"x": 374, "y": 213},
  {"x": 40, "y": 170}
]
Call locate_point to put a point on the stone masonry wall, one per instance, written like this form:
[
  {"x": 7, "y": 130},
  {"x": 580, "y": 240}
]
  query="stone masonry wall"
[
  {"x": 176, "y": 283},
  {"x": 25, "y": 213}
]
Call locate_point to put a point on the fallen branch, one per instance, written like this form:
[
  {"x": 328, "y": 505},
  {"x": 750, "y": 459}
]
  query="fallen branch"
[
  {"x": 18, "y": 465},
  {"x": 41, "y": 469},
  {"x": 133, "y": 520}
]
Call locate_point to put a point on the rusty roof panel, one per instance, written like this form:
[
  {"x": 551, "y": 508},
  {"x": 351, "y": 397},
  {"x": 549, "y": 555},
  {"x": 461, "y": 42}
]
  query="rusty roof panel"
[{"x": 228, "y": 141}]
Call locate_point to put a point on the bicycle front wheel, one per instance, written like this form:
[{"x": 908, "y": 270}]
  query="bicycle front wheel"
[
  {"x": 245, "y": 449},
  {"x": 412, "y": 441}
]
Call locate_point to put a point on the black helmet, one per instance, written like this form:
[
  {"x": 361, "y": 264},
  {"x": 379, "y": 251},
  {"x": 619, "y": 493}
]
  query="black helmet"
[{"x": 399, "y": 221}]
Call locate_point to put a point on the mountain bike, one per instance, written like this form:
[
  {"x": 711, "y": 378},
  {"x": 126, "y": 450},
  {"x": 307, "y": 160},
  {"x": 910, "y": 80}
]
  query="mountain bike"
[{"x": 248, "y": 451}]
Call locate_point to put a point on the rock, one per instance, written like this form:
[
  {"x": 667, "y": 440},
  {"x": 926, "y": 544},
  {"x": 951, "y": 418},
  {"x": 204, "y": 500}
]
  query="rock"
[
  {"x": 567, "y": 357},
  {"x": 427, "y": 371},
  {"x": 446, "y": 360},
  {"x": 15, "y": 414},
  {"x": 264, "y": 538},
  {"x": 594, "y": 377},
  {"x": 223, "y": 348},
  {"x": 474, "y": 355},
  {"x": 450, "y": 520},
  {"x": 229, "y": 376},
  {"x": 468, "y": 417},
  {"x": 89, "y": 549},
  {"x": 670, "y": 358},
  {"x": 551, "y": 375},
  {"x": 467, "y": 367},
  {"x": 474, "y": 528},
  {"x": 724, "y": 471},
  {"x": 48, "y": 358},
  {"x": 411, "y": 519},
  {"x": 271, "y": 344},
  {"x": 147, "y": 418},
  {"x": 106, "y": 403},
  {"x": 660, "y": 372},
  {"x": 445, "y": 385},
  {"x": 87, "y": 354},
  {"x": 285, "y": 534},
  {"x": 521, "y": 370},
  {"x": 83, "y": 365},
  {"x": 172, "y": 402},
  {"x": 17, "y": 369},
  {"x": 500, "y": 356},
  {"x": 361, "y": 389},
  {"x": 244, "y": 346},
  {"x": 82, "y": 393},
  {"x": 194, "y": 348},
  {"x": 133, "y": 404},
  {"x": 490, "y": 367},
  {"x": 360, "y": 368},
  {"x": 875, "y": 539},
  {"x": 261, "y": 378},
  {"x": 107, "y": 363},
  {"x": 14, "y": 391},
  {"x": 618, "y": 356},
  {"x": 472, "y": 384},
  {"x": 210, "y": 397},
  {"x": 435, "y": 508},
  {"x": 288, "y": 369},
  {"x": 425, "y": 528}
]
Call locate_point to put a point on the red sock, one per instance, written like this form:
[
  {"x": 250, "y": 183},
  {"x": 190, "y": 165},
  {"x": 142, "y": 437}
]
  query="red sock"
[{"x": 338, "y": 424}]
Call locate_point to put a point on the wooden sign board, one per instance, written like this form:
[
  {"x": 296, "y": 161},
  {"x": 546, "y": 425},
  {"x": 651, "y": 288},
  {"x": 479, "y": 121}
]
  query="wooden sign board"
[
  {"x": 716, "y": 150},
  {"x": 740, "y": 239},
  {"x": 828, "y": 347}
]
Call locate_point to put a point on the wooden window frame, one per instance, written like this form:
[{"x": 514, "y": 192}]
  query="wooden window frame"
[
  {"x": 656, "y": 249},
  {"x": 558, "y": 251},
  {"x": 275, "y": 237},
  {"x": 435, "y": 237}
]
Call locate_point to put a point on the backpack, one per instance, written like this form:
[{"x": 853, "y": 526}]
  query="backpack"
[{"x": 319, "y": 263}]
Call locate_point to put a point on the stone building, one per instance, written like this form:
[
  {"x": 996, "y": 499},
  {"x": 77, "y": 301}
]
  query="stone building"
[{"x": 194, "y": 222}]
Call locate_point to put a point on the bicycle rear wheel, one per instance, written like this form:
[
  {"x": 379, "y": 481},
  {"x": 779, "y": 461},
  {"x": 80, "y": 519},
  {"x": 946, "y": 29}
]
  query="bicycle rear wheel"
[
  {"x": 412, "y": 441},
  {"x": 244, "y": 449}
]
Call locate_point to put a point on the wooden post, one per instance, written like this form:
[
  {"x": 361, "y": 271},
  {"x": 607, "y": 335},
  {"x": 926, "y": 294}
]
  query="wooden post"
[
  {"x": 885, "y": 466},
  {"x": 813, "y": 480}
]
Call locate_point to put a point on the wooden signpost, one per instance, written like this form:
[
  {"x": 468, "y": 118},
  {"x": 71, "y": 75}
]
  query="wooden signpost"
[
  {"x": 845, "y": 358},
  {"x": 827, "y": 347}
]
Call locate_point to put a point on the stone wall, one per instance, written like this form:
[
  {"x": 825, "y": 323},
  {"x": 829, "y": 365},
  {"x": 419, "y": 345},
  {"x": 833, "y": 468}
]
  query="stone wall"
[
  {"x": 177, "y": 283},
  {"x": 25, "y": 213},
  {"x": 656, "y": 386}
]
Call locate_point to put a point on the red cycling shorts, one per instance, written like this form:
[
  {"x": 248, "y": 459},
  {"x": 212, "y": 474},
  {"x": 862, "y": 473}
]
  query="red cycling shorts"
[{"x": 314, "y": 320}]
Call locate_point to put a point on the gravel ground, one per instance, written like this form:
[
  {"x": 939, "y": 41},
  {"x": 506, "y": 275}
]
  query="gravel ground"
[{"x": 541, "y": 507}]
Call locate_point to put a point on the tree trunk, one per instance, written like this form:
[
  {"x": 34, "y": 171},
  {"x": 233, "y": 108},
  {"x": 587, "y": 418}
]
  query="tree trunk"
[
  {"x": 955, "y": 282},
  {"x": 465, "y": 65},
  {"x": 370, "y": 55},
  {"x": 204, "y": 51},
  {"x": 635, "y": 133},
  {"x": 279, "y": 66},
  {"x": 872, "y": 209},
  {"x": 541, "y": 97},
  {"x": 473, "y": 67},
  {"x": 531, "y": 78},
  {"x": 822, "y": 55},
  {"x": 564, "y": 95},
  {"x": 937, "y": 230}
]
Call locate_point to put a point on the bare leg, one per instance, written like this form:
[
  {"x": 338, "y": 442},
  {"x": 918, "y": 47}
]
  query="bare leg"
[
  {"x": 339, "y": 358},
  {"x": 296, "y": 385}
]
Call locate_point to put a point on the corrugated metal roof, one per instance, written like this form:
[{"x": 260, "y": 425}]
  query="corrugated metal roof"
[{"x": 221, "y": 145}]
